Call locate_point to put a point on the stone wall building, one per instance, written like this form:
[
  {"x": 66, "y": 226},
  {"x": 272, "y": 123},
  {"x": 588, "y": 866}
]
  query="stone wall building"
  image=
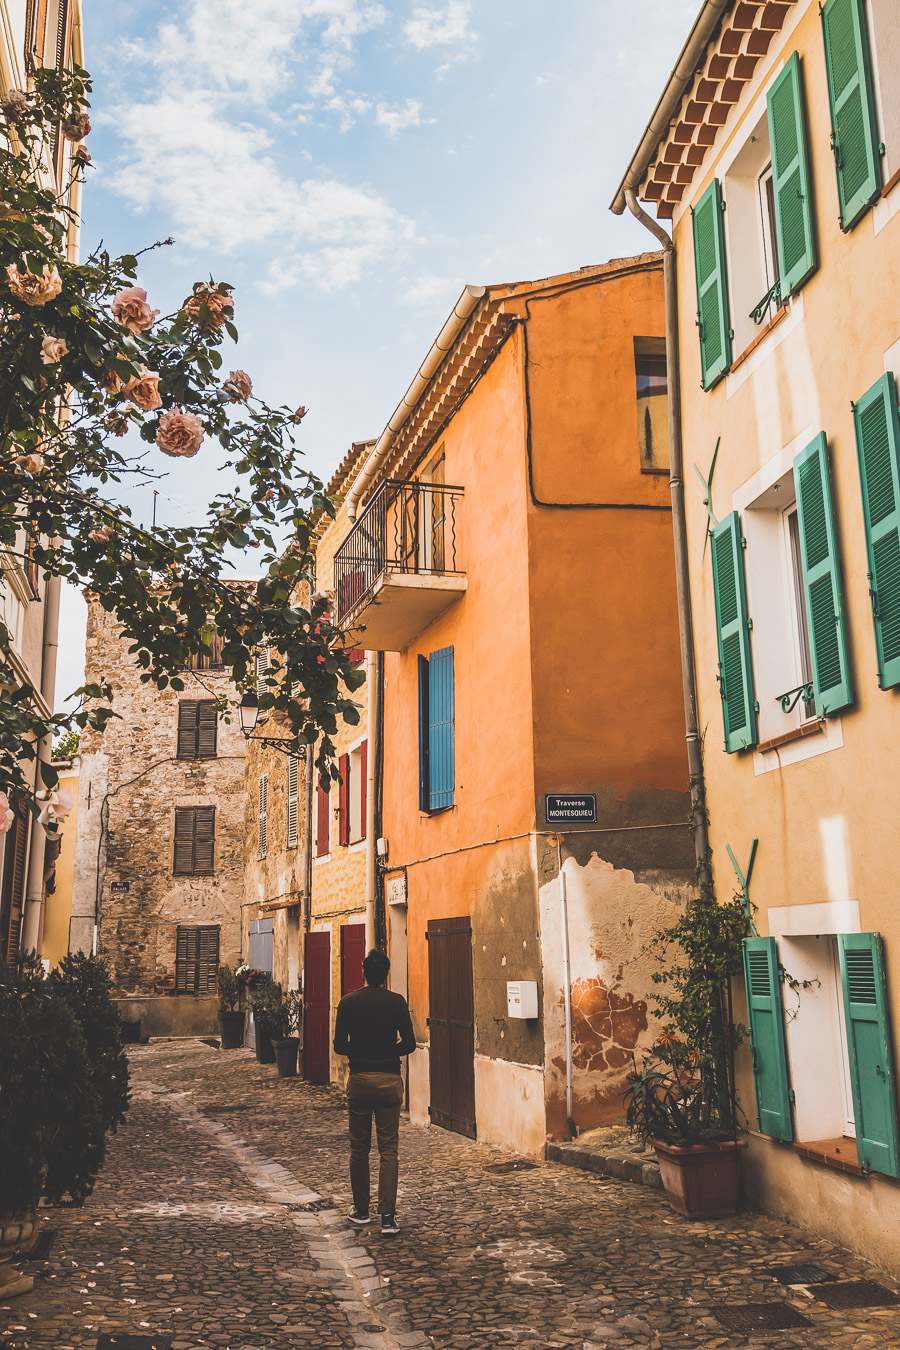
[{"x": 158, "y": 884}]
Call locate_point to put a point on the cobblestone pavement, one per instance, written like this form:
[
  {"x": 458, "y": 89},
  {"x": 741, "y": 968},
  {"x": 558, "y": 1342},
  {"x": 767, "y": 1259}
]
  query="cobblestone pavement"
[{"x": 219, "y": 1222}]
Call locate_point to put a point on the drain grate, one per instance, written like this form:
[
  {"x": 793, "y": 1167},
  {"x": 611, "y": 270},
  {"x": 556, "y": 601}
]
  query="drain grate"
[
  {"x": 759, "y": 1317},
  {"x": 41, "y": 1249},
  {"x": 312, "y": 1207},
  {"x": 802, "y": 1273},
  {"x": 123, "y": 1340},
  {"x": 857, "y": 1294},
  {"x": 517, "y": 1166}
]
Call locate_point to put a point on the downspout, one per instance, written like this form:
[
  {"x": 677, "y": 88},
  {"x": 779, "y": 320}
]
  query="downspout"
[
  {"x": 459, "y": 317},
  {"x": 308, "y": 799},
  {"x": 372, "y": 684},
  {"x": 34, "y": 889},
  {"x": 679, "y": 524}
]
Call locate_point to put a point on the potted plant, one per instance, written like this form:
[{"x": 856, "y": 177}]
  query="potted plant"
[
  {"x": 286, "y": 1033},
  {"x": 682, "y": 1098},
  {"x": 63, "y": 1085},
  {"x": 231, "y": 1014},
  {"x": 265, "y": 999}
]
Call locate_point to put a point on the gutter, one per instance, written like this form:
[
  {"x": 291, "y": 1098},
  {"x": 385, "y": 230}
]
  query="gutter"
[
  {"x": 684, "y": 71},
  {"x": 443, "y": 343}
]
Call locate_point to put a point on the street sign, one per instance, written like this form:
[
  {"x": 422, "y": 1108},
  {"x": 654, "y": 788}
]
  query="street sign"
[
  {"x": 120, "y": 887},
  {"x": 395, "y": 889},
  {"x": 566, "y": 809}
]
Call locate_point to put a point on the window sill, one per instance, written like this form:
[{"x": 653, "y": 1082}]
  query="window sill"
[
  {"x": 890, "y": 184},
  {"x": 839, "y": 1154},
  {"x": 796, "y": 734},
  {"x": 763, "y": 332}
]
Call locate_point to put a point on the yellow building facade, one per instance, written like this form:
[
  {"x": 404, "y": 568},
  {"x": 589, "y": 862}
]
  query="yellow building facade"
[{"x": 775, "y": 152}]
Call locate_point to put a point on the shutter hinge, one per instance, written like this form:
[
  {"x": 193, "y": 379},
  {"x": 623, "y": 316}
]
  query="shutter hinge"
[
  {"x": 791, "y": 1096},
  {"x": 743, "y": 542},
  {"x": 722, "y": 203},
  {"x": 755, "y": 706}
]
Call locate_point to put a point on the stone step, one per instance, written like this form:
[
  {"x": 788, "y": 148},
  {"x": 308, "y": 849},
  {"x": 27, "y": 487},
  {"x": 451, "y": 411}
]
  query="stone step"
[{"x": 618, "y": 1163}]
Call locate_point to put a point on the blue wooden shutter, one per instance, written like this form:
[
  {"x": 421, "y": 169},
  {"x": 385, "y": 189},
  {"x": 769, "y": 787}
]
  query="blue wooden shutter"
[
  {"x": 878, "y": 445},
  {"x": 822, "y": 579},
  {"x": 441, "y": 767},
  {"x": 712, "y": 288},
  {"x": 854, "y": 131},
  {"x": 773, "y": 1096},
  {"x": 871, "y": 1057},
  {"x": 790, "y": 174},
  {"x": 733, "y": 631},
  {"x": 424, "y": 781}
]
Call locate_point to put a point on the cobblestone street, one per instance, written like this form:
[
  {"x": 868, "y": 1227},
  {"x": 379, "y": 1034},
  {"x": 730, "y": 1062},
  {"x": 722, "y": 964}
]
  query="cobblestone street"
[{"x": 219, "y": 1221}]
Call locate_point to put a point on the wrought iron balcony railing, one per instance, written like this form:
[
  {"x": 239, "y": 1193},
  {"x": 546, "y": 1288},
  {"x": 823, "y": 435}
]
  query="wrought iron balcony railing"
[{"x": 408, "y": 528}]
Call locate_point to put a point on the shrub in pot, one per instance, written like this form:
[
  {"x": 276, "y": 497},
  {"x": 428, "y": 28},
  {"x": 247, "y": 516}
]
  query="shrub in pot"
[
  {"x": 231, "y": 1015},
  {"x": 285, "y": 1032},
  {"x": 682, "y": 1098},
  {"x": 265, "y": 999}
]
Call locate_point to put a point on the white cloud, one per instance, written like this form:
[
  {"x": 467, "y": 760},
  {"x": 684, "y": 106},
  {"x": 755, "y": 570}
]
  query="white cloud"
[
  {"x": 398, "y": 119},
  {"x": 428, "y": 290},
  {"x": 432, "y": 26}
]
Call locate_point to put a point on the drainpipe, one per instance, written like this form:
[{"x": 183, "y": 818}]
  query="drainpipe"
[
  {"x": 308, "y": 799},
  {"x": 34, "y": 889},
  {"x": 459, "y": 317},
  {"x": 567, "y": 982},
  {"x": 373, "y": 685},
  {"x": 682, "y": 576}
]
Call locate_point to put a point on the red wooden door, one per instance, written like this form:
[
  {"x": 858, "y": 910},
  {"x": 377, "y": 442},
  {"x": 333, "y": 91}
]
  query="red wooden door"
[
  {"x": 353, "y": 949},
  {"x": 317, "y": 1008},
  {"x": 451, "y": 1006}
]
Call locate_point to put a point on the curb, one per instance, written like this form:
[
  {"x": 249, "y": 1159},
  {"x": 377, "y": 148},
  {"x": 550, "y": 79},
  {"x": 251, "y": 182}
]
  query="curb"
[{"x": 621, "y": 1166}]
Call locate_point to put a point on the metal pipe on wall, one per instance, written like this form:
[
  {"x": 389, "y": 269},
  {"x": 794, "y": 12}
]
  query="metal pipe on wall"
[{"x": 372, "y": 751}]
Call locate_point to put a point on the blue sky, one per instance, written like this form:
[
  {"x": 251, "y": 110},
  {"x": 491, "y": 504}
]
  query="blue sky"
[{"x": 349, "y": 165}]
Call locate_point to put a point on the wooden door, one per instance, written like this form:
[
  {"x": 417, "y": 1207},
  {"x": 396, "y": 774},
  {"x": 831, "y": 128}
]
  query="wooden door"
[
  {"x": 353, "y": 949},
  {"x": 452, "y": 1024},
  {"x": 317, "y": 1008}
]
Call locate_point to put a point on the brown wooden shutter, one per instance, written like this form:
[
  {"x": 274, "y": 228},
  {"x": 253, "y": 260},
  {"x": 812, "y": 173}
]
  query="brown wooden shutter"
[
  {"x": 207, "y": 729},
  {"x": 207, "y": 960},
  {"x": 353, "y": 949},
  {"x": 344, "y": 801},
  {"x": 186, "y": 943},
  {"x": 14, "y": 886},
  {"x": 363, "y": 787},
  {"x": 204, "y": 840},
  {"x": 188, "y": 716},
  {"x": 323, "y": 822},
  {"x": 183, "y": 859}
]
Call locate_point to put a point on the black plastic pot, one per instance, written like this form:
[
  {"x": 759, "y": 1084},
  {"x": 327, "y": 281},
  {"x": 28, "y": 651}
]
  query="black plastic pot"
[
  {"x": 264, "y": 1052},
  {"x": 286, "y": 1056},
  {"x": 231, "y": 1030}
]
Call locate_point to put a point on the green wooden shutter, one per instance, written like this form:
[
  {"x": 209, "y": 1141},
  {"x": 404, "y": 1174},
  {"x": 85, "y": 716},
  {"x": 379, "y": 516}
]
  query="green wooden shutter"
[
  {"x": 773, "y": 1096},
  {"x": 293, "y": 801},
  {"x": 733, "y": 624},
  {"x": 441, "y": 758},
  {"x": 871, "y": 1057},
  {"x": 790, "y": 174},
  {"x": 854, "y": 129},
  {"x": 822, "y": 579},
  {"x": 712, "y": 289},
  {"x": 424, "y": 780},
  {"x": 878, "y": 445}
]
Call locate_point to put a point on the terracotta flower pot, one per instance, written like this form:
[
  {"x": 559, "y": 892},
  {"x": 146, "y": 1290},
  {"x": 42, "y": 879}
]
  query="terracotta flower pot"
[
  {"x": 702, "y": 1181},
  {"x": 231, "y": 1030},
  {"x": 286, "y": 1056},
  {"x": 16, "y": 1230}
]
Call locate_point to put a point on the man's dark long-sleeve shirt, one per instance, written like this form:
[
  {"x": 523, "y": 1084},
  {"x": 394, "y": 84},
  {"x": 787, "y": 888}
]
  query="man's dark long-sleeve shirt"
[{"x": 373, "y": 1027}]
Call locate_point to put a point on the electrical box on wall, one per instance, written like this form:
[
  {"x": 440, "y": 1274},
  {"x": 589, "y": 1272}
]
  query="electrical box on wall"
[{"x": 521, "y": 998}]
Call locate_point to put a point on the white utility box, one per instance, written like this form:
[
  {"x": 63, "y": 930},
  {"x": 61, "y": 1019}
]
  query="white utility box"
[{"x": 521, "y": 998}]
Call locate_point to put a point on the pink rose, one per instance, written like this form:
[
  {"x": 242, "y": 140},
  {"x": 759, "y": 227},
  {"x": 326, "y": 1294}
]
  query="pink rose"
[
  {"x": 14, "y": 104},
  {"x": 80, "y": 153},
  {"x": 33, "y": 289},
  {"x": 101, "y": 535},
  {"x": 239, "y": 385},
  {"x": 53, "y": 350},
  {"x": 143, "y": 390},
  {"x": 7, "y": 815},
  {"x": 179, "y": 434},
  {"x": 218, "y": 307},
  {"x": 131, "y": 310},
  {"x": 76, "y": 128}
]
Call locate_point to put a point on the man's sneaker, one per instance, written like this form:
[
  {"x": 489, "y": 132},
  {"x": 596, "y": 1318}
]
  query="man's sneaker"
[
  {"x": 359, "y": 1216},
  {"x": 389, "y": 1225}
]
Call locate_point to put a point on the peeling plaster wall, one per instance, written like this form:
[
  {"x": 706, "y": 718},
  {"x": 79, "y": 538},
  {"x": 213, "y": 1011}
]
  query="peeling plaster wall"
[
  {"x": 612, "y": 915},
  {"x": 509, "y": 1105}
]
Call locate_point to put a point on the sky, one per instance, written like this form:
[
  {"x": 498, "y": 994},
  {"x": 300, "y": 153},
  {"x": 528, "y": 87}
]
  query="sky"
[{"x": 350, "y": 165}]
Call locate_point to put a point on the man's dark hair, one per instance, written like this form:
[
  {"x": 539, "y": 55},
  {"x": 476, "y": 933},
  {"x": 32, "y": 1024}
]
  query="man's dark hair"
[{"x": 376, "y": 967}]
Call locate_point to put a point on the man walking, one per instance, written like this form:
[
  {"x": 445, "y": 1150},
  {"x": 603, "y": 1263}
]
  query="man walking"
[{"x": 373, "y": 1028}]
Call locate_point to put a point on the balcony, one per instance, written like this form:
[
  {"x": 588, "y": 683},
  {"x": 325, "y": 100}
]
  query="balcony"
[{"x": 400, "y": 565}]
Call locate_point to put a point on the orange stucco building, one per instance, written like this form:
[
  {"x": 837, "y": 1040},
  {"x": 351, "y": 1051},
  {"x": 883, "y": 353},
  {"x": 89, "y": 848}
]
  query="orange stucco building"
[{"x": 512, "y": 558}]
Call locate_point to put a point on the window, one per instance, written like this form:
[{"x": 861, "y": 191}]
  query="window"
[
  {"x": 196, "y": 959},
  {"x": 293, "y": 801},
  {"x": 344, "y": 801},
  {"x": 436, "y": 730},
  {"x": 197, "y": 728},
  {"x": 210, "y": 659},
  {"x": 652, "y": 403},
  {"x": 263, "y": 817},
  {"x": 432, "y": 505},
  {"x": 323, "y": 817},
  {"x": 884, "y": 48},
  {"x": 357, "y": 801},
  {"x": 195, "y": 841}
]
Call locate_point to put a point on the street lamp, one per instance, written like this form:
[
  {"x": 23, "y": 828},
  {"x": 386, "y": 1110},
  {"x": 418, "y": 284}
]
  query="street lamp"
[{"x": 248, "y": 710}]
